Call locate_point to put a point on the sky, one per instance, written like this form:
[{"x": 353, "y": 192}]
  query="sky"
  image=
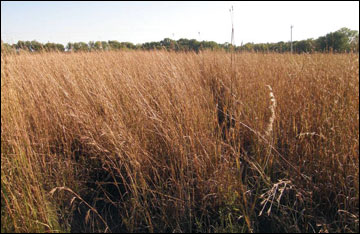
[{"x": 139, "y": 22}]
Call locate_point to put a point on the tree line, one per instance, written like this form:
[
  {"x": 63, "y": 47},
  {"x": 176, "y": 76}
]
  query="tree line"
[{"x": 342, "y": 40}]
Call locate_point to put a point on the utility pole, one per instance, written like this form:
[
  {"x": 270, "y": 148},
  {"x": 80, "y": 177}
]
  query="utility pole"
[
  {"x": 291, "y": 27},
  {"x": 201, "y": 47},
  {"x": 232, "y": 56},
  {"x": 232, "y": 24}
]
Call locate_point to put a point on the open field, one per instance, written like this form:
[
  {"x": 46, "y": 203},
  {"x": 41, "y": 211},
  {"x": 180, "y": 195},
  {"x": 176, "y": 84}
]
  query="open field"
[{"x": 179, "y": 142}]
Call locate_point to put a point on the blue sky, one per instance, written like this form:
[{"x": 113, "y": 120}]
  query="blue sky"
[{"x": 139, "y": 22}]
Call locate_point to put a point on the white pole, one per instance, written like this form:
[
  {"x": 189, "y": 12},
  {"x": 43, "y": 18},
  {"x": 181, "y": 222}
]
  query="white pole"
[{"x": 291, "y": 27}]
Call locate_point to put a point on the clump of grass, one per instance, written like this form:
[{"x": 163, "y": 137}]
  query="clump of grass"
[
  {"x": 165, "y": 141},
  {"x": 272, "y": 109}
]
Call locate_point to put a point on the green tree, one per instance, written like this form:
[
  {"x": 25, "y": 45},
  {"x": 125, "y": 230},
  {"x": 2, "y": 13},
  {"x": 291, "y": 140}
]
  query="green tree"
[
  {"x": 248, "y": 47},
  {"x": 353, "y": 39},
  {"x": 80, "y": 46},
  {"x": 354, "y": 43},
  {"x": 152, "y": 45},
  {"x": 304, "y": 46},
  {"x": 60, "y": 47},
  {"x": 114, "y": 45},
  {"x": 50, "y": 47},
  {"x": 91, "y": 45},
  {"x": 98, "y": 45},
  {"x": 127, "y": 45},
  {"x": 183, "y": 44},
  {"x": 168, "y": 43},
  {"x": 37, "y": 46},
  {"x": 194, "y": 45},
  {"x": 104, "y": 45},
  {"x": 20, "y": 45},
  {"x": 338, "y": 41}
]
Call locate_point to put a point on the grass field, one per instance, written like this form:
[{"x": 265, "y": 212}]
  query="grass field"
[{"x": 179, "y": 142}]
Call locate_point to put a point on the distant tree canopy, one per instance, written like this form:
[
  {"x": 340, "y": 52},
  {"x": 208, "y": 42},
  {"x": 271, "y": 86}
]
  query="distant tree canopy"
[{"x": 342, "y": 40}]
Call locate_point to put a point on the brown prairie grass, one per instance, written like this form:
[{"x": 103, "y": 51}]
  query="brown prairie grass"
[{"x": 163, "y": 141}]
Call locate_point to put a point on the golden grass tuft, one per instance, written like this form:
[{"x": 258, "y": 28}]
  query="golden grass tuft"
[{"x": 164, "y": 141}]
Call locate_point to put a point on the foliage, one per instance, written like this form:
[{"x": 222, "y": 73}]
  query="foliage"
[{"x": 343, "y": 40}]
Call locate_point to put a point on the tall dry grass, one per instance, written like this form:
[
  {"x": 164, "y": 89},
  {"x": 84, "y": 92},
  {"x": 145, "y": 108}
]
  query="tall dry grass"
[{"x": 157, "y": 141}]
